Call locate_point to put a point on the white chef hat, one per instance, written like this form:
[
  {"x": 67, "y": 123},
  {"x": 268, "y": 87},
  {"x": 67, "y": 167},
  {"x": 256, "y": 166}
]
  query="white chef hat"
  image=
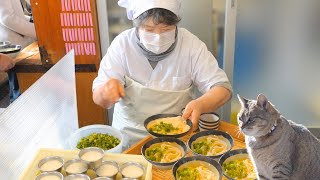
[{"x": 137, "y": 7}]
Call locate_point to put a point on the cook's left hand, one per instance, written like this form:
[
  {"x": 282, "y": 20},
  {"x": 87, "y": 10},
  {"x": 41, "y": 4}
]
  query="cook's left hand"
[
  {"x": 193, "y": 111},
  {"x": 6, "y": 63}
]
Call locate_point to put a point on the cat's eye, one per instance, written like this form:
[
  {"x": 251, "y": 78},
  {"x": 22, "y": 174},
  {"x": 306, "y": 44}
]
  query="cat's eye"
[{"x": 250, "y": 120}]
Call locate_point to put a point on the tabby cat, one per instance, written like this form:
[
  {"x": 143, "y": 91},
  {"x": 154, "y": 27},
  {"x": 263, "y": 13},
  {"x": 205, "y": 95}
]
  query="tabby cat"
[{"x": 279, "y": 148}]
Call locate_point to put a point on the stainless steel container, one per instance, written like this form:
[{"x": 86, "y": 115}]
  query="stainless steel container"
[
  {"x": 93, "y": 156},
  {"x": 135, "y": 167},
  {"x": 77, "y": 177},
  {"x": 51, "y": 163},
  {"x": 103, "y": 178},
  {"x": 102, "y": 171},
  {"x": 52, "y": 175},
  {"x": 75, "y": 166}
]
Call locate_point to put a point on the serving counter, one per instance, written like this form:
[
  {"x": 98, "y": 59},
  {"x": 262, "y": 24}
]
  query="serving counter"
[{"x": 159, "y": 174}]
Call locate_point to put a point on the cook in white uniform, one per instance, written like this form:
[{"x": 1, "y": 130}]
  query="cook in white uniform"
[{"x": 151, "y": 69}]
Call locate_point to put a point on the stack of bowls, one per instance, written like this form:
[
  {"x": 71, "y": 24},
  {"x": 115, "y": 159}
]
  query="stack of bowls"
[{"x": 209, "y": 121}]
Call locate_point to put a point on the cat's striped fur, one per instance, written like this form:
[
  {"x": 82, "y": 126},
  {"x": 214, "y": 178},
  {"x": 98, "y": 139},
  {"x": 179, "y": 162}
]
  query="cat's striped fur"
[{"x": 279, "y": 148}]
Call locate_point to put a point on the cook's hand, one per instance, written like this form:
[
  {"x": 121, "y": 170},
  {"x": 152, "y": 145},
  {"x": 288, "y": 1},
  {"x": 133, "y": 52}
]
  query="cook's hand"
[
  {"x": 113, "y": 90},
  {"x": 193, "y": 111},
  {"x": 6, "y": 63},
  {"x": 109, "y": 93}
]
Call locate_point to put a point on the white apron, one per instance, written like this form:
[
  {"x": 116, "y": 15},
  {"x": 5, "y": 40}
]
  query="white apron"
[{"x": 142, "y": 102}]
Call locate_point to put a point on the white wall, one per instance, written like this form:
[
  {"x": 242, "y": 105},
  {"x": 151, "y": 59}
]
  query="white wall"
[{"x": 197, "y": 18}]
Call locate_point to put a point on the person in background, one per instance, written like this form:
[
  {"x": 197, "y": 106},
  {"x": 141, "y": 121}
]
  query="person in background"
[
  {"x": 6, "y": 63},
  {"x": 17, "y": 28},
  {"x": 151, "y": 69}
]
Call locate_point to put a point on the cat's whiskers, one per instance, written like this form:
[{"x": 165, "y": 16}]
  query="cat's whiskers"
[{"x": 238, "y": 132}]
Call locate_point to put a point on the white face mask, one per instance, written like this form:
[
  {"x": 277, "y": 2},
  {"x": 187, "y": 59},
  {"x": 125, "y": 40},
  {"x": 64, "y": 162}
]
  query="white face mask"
[{"x": 157, "y": 43}]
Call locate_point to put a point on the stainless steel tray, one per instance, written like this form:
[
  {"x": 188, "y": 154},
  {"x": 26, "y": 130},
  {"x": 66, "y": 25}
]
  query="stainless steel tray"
[{"x": 7, "y": 49}]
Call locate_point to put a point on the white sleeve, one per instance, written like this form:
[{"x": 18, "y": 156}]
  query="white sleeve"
[
  {"x": 206, "y": 72},
  {"x": 111, "y": 66},
  {"x": 27, "y": 18},
  {"x": 11, "y": 20}
]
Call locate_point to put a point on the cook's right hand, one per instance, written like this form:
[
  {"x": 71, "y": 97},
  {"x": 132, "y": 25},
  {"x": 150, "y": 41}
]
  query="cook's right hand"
[
  {"x": 113, "y": 90},
  {"x": 109, "y": 93}
]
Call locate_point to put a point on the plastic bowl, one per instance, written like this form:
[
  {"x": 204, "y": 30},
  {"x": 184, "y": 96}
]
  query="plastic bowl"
[
  {"x": 183, "y": 161},
  {"x": 103, "y": 129},
  {"x": 158, "y": 116},
  {"x": 210, "y": 132}
]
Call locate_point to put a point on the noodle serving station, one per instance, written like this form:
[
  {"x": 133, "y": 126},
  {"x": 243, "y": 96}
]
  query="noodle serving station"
[
  {"x": 57, "y": 114},
  {"x": 160, "y": 174}
]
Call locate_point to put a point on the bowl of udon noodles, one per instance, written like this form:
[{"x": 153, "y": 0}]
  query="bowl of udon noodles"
[
  {"x": 236, "y": 165},
  {"x": 163, "y": 152},
  {"x": 197, "y": 168},
  {"x": 212, "y": 143},
  {"x": 167, "y": 125}
]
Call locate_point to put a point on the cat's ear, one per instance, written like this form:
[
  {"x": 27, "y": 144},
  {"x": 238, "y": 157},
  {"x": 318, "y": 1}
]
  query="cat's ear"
[
  {"x": 243, "y": 101},
  {"x": 262, "y": 101}
]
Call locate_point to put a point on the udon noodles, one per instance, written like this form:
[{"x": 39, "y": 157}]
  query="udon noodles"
[
  {"x": 164, "y": 152},
  {"x": 240, "y": 169},
  {"x": 169, "y": 125},
  {"x": 211, "y": 145},
  {"x": 197, "y": 170}
]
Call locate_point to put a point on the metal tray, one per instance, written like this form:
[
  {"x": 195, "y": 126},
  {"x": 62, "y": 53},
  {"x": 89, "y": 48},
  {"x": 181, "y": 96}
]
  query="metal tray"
[
  {"x": 32, "y": 170},
  {"x": 7, "y": 49},
  {"x": 4, "y": 43}
]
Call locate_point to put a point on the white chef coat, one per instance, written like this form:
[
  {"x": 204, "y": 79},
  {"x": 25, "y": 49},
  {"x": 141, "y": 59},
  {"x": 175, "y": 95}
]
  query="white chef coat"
[
  {"x": 142, "y": 102},
  {"x": 14, "y": 25},
  {"x": 189, "y": 63},
  {"x": 164, "y": 89}
]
